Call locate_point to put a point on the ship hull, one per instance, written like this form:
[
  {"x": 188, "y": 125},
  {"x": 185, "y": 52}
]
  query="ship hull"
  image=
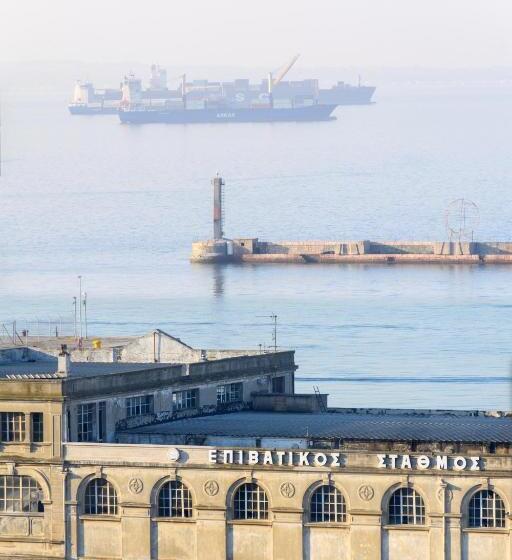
[
  {"x": 92, "y": 110},
  {"x": 320, "y": 112}
]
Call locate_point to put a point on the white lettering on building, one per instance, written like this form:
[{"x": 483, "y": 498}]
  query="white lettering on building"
[
  {"x": 422, "y": 462},
  {"x": 280, "y": 458}
]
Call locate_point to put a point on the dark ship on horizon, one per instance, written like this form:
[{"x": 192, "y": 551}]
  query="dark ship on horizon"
[{"x": 202, "y": 101}]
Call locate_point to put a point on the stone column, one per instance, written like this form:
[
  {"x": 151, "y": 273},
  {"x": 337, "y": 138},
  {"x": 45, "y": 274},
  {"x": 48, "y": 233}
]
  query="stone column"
[
  {"x": 71, "y": 529},
  {"x": 136, "y": 531},
  {"x": 211, "y": 532},
  {"x": 287, "y": 534},
  {"x": 454, "y": 536},
  {"x": 365, "y": 535},
  {"x": 437, "y": 537}
]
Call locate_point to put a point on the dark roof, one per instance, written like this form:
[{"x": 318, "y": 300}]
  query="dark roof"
[
  {"x": 47, "y": 369},
  {"x": 391, "y": 426}
]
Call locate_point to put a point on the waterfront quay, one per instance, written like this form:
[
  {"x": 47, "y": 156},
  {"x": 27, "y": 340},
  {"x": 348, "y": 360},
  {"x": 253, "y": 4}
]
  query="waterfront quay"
[{"x": 254, "y": 251}]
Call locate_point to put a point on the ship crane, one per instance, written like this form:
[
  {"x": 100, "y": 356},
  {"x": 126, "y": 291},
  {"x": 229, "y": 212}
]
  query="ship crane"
[{"x": 272, "y": 82}]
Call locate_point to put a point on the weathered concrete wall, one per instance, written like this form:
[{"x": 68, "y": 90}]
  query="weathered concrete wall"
[
  {"x": 289, "y": 402},
  {"x": 456, "y": 252}
]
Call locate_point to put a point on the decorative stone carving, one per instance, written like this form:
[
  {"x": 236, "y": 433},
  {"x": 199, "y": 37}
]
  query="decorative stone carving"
[
  {"x": 136, "y": 485},
  {"x": 211, "y": 488},
  {"x": 366, "y": 492},
  {"x": 441, "y": 493},
  {"x": 287, "y": 489}
]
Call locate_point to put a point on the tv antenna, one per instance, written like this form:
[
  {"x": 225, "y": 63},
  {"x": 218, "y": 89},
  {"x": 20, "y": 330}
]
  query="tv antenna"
[
  {"x": 274, "y": 330},
  {"x": 462, "y": 218}
]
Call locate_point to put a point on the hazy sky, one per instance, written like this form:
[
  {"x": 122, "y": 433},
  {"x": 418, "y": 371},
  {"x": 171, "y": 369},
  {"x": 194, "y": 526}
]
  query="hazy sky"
[{"x": 435, "y": 33}]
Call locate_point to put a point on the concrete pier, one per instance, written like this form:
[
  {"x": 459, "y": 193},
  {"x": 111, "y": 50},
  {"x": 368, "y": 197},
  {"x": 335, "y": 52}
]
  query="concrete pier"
[{"x": 254, "y": 251}]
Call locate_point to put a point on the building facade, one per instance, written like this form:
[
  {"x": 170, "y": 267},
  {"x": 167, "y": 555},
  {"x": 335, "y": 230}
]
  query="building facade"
[{"x": 219, "y": 459}]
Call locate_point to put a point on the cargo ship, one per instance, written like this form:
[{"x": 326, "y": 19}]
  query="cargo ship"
[{"x": 227, "y": 96}]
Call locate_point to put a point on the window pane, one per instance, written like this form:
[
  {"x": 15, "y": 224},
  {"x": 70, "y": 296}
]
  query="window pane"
[
  {"x": 250, "y": 502},
  {"x": 139, "y": 405},
  {"x": 12, "y": 426},
  {"x": 20, "y": 494},
  {"x": 232, "y": 392},
  {"x": 100, "y": 498},
  {"x": 86, "y": 422},
  {"x": 486, "y": 510},
  {"x": 406, "y": 507},
  {"x": 174, "y": 500},
  {"x": 187, "y": 399},
  {"x": 37, "y": 427},
  {"x": 327, "y": 506}
]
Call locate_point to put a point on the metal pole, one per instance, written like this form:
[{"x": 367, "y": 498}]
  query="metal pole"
[
  {"x": 85, "y": 313},
  {"x": 80, "y": 299},
  {"x": 74, "y": 306}
]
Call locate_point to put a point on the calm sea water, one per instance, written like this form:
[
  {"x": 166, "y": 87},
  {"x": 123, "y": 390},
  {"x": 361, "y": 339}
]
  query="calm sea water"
[{"x": 121, "y": 205}]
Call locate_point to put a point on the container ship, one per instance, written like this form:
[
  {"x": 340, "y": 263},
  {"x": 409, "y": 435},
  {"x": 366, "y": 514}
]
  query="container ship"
[{"x": 273, "y": 99}]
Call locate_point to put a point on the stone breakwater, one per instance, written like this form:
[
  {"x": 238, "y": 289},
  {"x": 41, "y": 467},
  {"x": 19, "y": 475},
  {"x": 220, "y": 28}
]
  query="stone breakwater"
[{"x": 254, "y": 251}]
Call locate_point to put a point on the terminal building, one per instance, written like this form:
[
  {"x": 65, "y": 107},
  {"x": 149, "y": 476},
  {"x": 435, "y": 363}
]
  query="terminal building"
[{"x": 146, "y": 449}]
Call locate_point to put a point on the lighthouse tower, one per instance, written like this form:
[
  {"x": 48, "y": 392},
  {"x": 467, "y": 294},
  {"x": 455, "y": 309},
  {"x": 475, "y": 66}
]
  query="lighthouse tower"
[{"x": 218, "y": 221}]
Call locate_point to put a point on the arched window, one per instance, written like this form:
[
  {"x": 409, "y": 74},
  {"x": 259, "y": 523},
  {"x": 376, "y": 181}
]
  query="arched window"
[
  {"x": 327, "y": 505},
  {"x": 21, "y": 494},
  {"x": 174, "y": 500},
  {"x": 406, "y": 507},
  {"x": 100, "y": 498},
  {"x": 486, "y": 509},
  {"x": 250, "y": 502}
]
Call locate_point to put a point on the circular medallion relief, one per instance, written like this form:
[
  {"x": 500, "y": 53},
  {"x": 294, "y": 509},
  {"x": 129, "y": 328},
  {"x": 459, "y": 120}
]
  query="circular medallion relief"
[
  {"x": 366, "y": 492},
  {"x": 211, "y": 487},
  {"x": 174, "y": 454},
  {"x": 136, "y": 485},
  {"x": 287, "y": 489}
]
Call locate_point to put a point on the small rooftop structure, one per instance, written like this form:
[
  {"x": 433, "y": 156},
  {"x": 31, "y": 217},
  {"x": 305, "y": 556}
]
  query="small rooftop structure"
[{"x": 152, "y": 347}]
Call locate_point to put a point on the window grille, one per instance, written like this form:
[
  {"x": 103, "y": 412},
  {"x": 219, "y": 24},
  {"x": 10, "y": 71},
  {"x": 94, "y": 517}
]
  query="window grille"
[
  {"x": 139, "y": 405},
  {"x": 86, "y": 422},
  {"x": 37, "y": 427},
  {"x": 486, "y": 509},
  {"x": 327, "y": 505},
  {"x": 12, "y": 426},
  {"x": 20, "y": 494},
  {"x": 406, "y": 507},
  {"x": 182, "y": 400},
  {"x": 232, "y": 392},
  {"x": 100, "y": 498},
  {"x": 250, "y": 502},
  {"x": 174, "y": 500}
]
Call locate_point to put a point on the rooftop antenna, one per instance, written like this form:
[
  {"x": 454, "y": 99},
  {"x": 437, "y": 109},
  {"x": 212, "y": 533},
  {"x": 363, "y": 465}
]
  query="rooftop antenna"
[
  {"x": 75, "y": 311},
  {"x": 85, "y": 313},
  {"x": 274, "y": 330},
  {"x": 80, "y": 301}
]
